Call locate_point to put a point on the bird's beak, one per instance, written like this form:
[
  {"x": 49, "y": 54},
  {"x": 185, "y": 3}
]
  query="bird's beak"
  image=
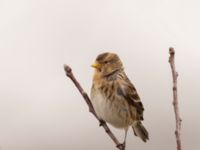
[{"x": 95, "y": 65}]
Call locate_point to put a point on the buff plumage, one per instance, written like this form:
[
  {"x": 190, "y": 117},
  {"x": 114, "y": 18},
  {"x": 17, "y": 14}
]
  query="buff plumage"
[{"x": 115, "y": 98}]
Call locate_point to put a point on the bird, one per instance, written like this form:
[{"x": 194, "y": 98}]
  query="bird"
[{"x": 115, "y": 98}]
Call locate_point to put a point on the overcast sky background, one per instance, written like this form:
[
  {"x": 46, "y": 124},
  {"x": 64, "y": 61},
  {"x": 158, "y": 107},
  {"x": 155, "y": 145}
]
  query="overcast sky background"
[{"x": 40, "y": 109}]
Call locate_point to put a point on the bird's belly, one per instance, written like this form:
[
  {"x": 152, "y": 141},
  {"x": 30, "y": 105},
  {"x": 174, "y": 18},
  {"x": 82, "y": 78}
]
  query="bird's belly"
[{"x": 113, "y": 112}]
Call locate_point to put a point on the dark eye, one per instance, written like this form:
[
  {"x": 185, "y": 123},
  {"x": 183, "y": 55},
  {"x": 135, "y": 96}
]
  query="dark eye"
[{"x": 105, "y": 62}]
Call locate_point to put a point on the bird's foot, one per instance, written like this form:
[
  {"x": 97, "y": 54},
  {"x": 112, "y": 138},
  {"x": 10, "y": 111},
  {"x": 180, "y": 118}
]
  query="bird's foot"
[
  {"x": 121, "y": 146},
  {"x": 101, "y": 122}
]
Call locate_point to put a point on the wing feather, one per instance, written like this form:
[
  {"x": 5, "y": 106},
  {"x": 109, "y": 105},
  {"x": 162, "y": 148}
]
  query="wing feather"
[{"x": 128, "y": 91}]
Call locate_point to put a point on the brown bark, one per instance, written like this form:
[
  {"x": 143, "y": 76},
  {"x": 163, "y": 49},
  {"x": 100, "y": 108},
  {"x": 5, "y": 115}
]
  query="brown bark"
[{"x": 175, "y": 98}]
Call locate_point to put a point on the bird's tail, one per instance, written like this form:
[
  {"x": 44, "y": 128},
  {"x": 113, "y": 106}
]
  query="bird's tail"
[{"x": 139, "y": 130}]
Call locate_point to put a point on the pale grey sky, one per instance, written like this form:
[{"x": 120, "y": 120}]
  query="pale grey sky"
[{"x": 40, "y": 109}]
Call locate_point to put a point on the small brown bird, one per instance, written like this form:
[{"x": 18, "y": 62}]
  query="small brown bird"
[{"x": 115, "y": 98}]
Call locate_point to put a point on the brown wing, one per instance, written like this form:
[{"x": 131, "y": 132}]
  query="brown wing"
[{"x": 128, "y": 91}]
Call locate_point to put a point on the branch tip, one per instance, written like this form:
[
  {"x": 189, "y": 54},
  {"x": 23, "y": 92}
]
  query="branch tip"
[
  {"x": 67, "y": 69},
  {"x": 171, "y": 51}
]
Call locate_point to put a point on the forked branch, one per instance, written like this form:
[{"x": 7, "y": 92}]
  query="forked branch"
[{"x": 69, "y": 74}]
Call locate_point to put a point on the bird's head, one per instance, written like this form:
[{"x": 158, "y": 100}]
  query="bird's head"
[{"x": 107, "y": 63}]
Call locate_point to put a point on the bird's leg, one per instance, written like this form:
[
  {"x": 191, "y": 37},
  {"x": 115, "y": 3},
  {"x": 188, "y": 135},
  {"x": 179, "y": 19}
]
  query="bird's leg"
[
  {"x": 123, "y": 145},
  {"x": 126, "y": 131}
]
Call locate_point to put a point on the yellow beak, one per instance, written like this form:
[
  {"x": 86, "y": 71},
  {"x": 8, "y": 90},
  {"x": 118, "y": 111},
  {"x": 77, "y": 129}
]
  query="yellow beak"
[{"x": 95, "y": 65}]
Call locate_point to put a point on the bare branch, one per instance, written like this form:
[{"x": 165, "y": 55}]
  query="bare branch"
[
  {"x": 69, "y": 74},
  {"x": 175, "y": 98}
]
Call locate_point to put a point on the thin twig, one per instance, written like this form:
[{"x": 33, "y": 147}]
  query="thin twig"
[
  {"x": 69, "y": 74},
  {"x": 175, "y": 98}
]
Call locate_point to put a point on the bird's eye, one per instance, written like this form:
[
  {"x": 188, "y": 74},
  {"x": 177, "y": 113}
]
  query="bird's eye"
[{"x": 105, "y": 62}]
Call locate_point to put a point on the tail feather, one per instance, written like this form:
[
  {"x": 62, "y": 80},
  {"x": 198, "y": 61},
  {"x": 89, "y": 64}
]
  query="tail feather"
[{"x": 139, "y": 130}]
